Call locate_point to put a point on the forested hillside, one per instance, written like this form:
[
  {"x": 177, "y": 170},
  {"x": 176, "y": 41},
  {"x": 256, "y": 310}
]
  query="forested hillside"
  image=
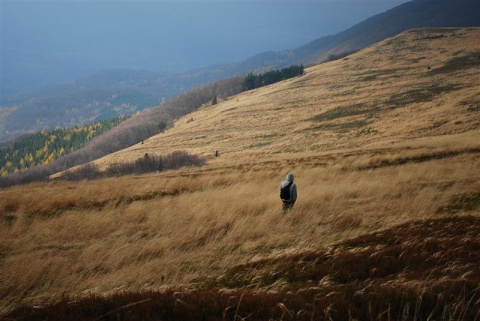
[
  {"x": 253, "y": 81},
  {"x": 47, "y": 145}
]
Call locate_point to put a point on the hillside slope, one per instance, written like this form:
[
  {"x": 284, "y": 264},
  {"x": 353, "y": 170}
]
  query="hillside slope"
[
  {"x": 385, "y": 152},
  {"x": 422, "y": 83},
  {"x": 113, "y": 92}
]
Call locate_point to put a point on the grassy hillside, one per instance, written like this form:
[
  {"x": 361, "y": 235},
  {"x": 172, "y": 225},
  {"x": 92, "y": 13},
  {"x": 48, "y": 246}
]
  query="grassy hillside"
[
  {"x": 415, "y": 90},
  {"x": 385, "y": 150}
]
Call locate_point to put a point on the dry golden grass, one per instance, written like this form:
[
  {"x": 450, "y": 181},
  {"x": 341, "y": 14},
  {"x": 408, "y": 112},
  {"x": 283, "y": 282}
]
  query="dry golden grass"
[
  {"x": 158, "y": 230},
  {"x": 377, "y": 139},
  {"x": 371, "y": 277},
  {"x": 419, "y": 84}
]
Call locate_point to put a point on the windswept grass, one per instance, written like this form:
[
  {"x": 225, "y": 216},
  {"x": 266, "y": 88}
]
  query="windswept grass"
[
  {"x": 181, "y": 227},
  {"x": 371, "y": 277},
  {"x": 385, "y": 226}
]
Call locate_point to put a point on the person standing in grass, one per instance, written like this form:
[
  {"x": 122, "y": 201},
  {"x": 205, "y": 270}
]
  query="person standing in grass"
[{"x": 288, "y": 192}]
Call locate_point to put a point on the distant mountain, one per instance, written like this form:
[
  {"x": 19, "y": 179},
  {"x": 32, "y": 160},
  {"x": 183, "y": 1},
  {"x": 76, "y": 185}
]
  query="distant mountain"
[
  {"x": 104, "y": 95},
  {"x": 411, "y": 15},
  {"x": 113, "y": 92}
]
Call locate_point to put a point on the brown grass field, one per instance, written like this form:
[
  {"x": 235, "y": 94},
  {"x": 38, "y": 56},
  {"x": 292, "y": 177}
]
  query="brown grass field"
[{"x": 385, "y": 148}]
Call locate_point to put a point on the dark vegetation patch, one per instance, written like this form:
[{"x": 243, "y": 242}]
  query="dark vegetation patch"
[
  {"x": 10, "y": 207},
  {"x": 9, "y": 219},
  {"x": 466, "y": 202},
  {"x": 342, "y": 112},
  {"x": 437, "y": 124},
  {"x": 142, "y": 165},
  {"x": 253, "y": 81},
  {"x": 346, "y": 111},
  {"x": 381, "y": 73},
  {"x": 470, "y": 60},
  {"x": 339, "y": 127},
  {"x": 421, "y": 270},
  {"x": 259, "y": 145},
  {"x": 472, "y": 105},
  {"x": 4, "y": 251},
  {"x": 419, "y": 95},
  {"x": 416, "y": 60}
]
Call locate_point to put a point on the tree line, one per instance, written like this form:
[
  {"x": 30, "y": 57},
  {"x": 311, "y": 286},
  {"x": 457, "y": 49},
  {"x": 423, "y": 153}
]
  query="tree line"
[
  {"x": 143, "y": 165},
  {"x": 47, "y": 145},
  {"x": 253, "y": 81}
]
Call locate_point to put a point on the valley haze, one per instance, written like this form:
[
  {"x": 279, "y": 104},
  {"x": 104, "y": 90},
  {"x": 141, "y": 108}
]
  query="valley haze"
[{"x": 46, "y": 42}]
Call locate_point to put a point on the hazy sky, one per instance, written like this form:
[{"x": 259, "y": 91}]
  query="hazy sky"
[{"x": 51, "y": 41}]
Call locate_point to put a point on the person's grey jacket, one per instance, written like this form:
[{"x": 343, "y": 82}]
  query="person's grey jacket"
[{"x": 293, "y": 188}]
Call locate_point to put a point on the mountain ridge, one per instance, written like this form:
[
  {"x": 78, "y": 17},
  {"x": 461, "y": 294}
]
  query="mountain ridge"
[{"x": 410, "y": 15}]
